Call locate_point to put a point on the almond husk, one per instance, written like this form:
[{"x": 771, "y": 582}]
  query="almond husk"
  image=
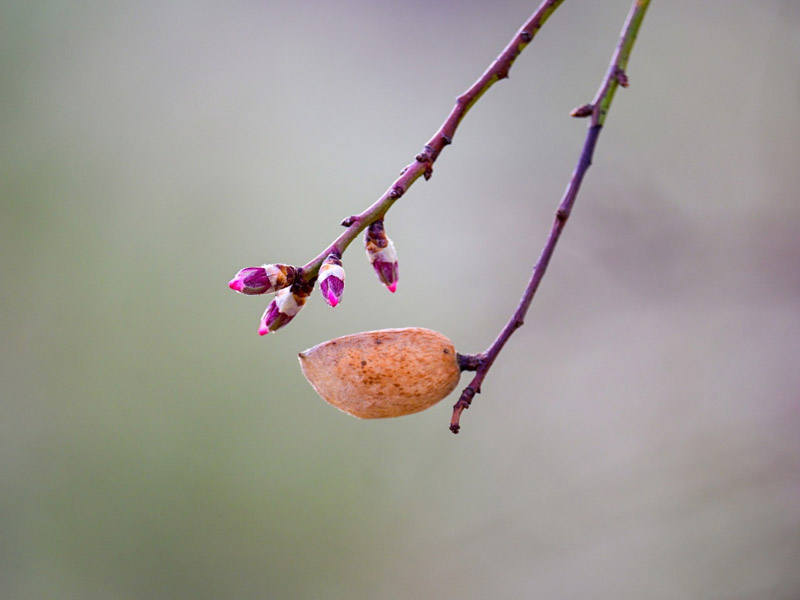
[{"x": 381, "y": 374}]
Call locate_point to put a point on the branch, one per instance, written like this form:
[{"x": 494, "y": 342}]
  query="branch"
[
  {"x": 597, "y": 110},
  {"x": 423, "y": 162}
]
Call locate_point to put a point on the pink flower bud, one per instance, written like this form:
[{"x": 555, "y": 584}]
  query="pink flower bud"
[
  {"x": 331, "y": 279},
  {"x": 263, "y": 279},
  {"x": 382, "y": 255},
  {"x": 281, "y": 310}
]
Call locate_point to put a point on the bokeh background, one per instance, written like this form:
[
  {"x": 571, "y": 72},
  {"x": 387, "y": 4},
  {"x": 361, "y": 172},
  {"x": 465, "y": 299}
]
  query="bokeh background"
[{"x": 638, "y": 438}]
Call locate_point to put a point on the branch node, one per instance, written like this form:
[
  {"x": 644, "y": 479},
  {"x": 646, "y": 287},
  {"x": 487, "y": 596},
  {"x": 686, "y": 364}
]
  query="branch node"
[
  {"x": 526, "y": 36},
  {"x": 621, "y": 77},
  {"x": 396, "y": 192},
  {"x": 466, "y": 397},
  {"x": 428, "y": 173},
  {"x": 349, "y": 221},
  {"x": 446, "y": 140}
]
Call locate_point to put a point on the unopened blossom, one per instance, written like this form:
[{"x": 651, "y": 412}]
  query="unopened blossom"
[
  {"x": 331, "y": 279},
  {"x": 382, "y": 255},
  {"x": 263, "y": 280},
  {"x": 281, "y": 310}
]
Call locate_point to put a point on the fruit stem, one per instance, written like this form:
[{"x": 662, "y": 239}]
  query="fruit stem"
[{"x": 470, "y": 362}]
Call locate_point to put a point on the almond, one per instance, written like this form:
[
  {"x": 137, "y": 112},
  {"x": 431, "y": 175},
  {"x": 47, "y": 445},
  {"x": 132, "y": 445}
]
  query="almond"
[{"x": 386, "y": 373}]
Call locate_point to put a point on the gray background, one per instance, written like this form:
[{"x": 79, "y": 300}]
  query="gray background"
[{"x": 638, "y": 438}]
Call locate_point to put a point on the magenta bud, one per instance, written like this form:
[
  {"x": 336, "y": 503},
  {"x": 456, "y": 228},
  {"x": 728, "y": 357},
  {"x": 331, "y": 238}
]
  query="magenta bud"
[
  {"x": 252, "y": 280},
  {"x": 387, "y": 273},
  {"x": 281, "y": 310},
  {"x": 263, "y": 279},
  {"x": 331, "y": 280},
  {"x": 382, "y": 254}
]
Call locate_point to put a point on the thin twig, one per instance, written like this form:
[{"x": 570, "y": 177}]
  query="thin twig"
[
  {"x": 598, "y": 110},
  {"x": 423, "y": 162}
]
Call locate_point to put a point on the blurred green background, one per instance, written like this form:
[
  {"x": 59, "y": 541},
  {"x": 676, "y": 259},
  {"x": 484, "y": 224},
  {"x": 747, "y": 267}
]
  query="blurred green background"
[{"x": 638, "y": 438}]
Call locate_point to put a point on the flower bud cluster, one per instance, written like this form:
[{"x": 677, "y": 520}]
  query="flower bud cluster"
[{"x": 292, "y": 290}]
